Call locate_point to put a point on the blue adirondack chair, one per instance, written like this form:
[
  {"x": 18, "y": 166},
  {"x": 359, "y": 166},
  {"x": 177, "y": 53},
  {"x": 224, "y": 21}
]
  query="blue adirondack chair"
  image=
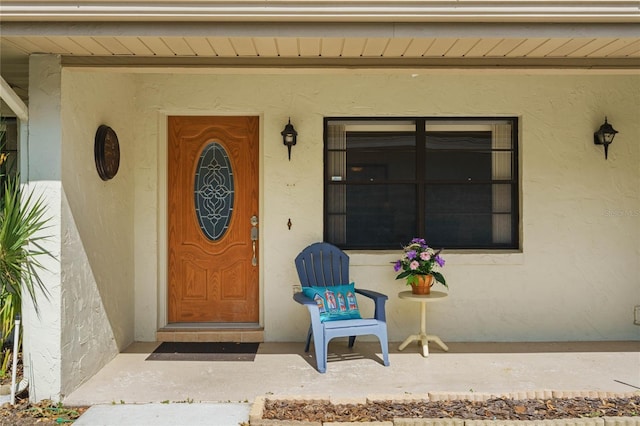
[{"x": 325, "y": 265}]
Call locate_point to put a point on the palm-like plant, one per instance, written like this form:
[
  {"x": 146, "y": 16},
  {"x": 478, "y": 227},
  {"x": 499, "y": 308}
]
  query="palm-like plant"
[
  {"x": 22, "y": 217},
  {"x": 8, "y": 307}
]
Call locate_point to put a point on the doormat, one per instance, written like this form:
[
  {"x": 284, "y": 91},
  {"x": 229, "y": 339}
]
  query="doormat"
[{"x": 204, "y": 351}]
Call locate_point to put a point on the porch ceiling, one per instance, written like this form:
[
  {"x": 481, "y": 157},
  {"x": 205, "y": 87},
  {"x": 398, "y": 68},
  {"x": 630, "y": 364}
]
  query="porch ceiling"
[{"x": 358, "y": 34}]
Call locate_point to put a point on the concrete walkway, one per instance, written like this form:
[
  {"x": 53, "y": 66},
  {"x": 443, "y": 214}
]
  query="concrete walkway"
[
  {"x": 132, "y": 391},
  {"x": 196, "y": 414}
]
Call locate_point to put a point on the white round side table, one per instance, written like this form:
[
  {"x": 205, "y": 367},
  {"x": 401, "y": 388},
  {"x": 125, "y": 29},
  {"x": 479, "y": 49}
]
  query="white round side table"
[{"x": 423, "y": 337}]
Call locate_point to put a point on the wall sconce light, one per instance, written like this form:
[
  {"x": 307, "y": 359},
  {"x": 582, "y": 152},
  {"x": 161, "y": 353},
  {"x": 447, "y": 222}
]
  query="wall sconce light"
[
  {"x": 604, "y": 136},
  {"x": 289, "y": 136}
]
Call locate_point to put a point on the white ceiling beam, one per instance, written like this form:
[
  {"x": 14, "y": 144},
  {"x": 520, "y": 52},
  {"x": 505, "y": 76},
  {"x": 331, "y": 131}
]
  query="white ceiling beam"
[
  {"x": 13, "y": 101},
  {"x": 137, "y": 63},
  {"x": 316, "y": 29},
  {"x": 325, "y": 10}
]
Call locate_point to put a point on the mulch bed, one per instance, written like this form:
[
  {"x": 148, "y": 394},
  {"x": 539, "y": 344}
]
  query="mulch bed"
[
  {"x": 43, "y": 413},
  {"x": 491, "y": 409},
  {"x": 26, "y": 413}
]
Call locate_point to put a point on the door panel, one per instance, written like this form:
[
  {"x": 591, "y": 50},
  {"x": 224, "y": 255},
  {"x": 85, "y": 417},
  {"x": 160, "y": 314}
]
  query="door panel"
[{"x": 212, "y": 195}]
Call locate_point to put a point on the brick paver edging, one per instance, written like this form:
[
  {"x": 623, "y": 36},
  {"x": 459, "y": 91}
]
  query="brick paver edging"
[{"x": 257, "y": 409}]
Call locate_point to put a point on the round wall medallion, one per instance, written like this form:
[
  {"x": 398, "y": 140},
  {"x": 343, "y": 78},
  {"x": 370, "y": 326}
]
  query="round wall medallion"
[{"x": 107, "y": 152}]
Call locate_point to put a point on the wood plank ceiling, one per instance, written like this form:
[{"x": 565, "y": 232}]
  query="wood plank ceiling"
[{"x": 328, "y": 47}]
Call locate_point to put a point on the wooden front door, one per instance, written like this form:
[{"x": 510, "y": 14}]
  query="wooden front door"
[{"x": 212, "y": 219}]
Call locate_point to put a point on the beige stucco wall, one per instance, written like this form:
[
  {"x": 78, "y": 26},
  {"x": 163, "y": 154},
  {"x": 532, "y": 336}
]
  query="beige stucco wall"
[
  {"x": 97, "y": 227},
  {"x": 41, "y": 168},
  {"x": 578, "y": 276},
  {"x": 87, "y": 315}
]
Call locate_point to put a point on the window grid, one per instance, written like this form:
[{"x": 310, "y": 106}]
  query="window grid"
[{"x": 500, "y": 186}]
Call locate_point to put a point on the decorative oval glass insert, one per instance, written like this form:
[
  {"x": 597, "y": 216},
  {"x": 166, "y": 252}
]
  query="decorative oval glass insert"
[{"x": 214, "y": 191}]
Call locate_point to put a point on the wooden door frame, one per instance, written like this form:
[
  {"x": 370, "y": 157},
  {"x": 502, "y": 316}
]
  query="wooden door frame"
[{"x": 163, "y": 190}]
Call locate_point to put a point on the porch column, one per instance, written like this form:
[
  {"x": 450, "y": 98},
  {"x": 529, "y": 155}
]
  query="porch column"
[{"x": 41, "y": 160}]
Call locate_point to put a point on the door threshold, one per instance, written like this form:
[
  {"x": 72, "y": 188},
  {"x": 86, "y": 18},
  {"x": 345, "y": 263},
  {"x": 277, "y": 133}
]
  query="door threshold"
[
  {"x": 180, "y": 326},
  {"x": 211, "y": 332}
]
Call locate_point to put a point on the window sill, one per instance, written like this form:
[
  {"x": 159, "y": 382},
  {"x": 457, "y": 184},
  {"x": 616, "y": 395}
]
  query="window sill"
[{"x": 453, "y": 257}]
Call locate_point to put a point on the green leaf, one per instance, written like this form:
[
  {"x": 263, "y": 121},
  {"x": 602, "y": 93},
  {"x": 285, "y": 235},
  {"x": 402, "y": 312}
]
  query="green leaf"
[
  {"x": 403, "y": 275},
  {"x": 22, "y": 220},
  {"x": 438, "y": 277},
  {"x": 412, "y": 280}
]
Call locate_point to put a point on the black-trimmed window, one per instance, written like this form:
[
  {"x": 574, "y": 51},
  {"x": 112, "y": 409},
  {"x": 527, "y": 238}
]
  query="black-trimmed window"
[
  {"x": 8, "y": 149},
  {"x": 453, "y": 181}
]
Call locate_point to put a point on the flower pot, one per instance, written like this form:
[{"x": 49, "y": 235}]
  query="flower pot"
[{"x": 423, "y": 286}]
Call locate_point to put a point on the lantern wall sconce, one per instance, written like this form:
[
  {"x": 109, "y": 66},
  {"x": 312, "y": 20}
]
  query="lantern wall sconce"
[
  {"x": 289, "y": 136},
  {"x": 604, "y": 136}
]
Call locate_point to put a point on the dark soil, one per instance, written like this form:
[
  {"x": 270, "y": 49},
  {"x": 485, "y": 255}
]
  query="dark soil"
[
  {"x": 43, "y": 413},
  {"x": 492, "y": 409}
]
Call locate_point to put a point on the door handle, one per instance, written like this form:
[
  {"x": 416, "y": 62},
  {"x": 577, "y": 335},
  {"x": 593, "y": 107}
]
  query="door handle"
[{"x": 254, "y": 238}]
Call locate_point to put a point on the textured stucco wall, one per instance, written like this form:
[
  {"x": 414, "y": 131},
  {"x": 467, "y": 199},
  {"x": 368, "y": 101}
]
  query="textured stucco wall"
[
  {"x": 97, "y": 245},
  {"x": 41, "y": 158},
  {"x": 578, "y": 276},
  {"x": 88, "y": 316}
]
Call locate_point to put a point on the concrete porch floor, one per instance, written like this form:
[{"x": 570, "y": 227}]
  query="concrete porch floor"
[{"x": 283, "y": 369}]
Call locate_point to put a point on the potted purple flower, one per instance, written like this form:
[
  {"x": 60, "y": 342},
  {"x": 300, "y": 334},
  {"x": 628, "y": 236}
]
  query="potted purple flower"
[{"x": 418, "y": 266}]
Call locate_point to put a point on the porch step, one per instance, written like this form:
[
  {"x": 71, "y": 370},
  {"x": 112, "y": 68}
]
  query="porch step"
[{"x": 249, "y": 333}]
